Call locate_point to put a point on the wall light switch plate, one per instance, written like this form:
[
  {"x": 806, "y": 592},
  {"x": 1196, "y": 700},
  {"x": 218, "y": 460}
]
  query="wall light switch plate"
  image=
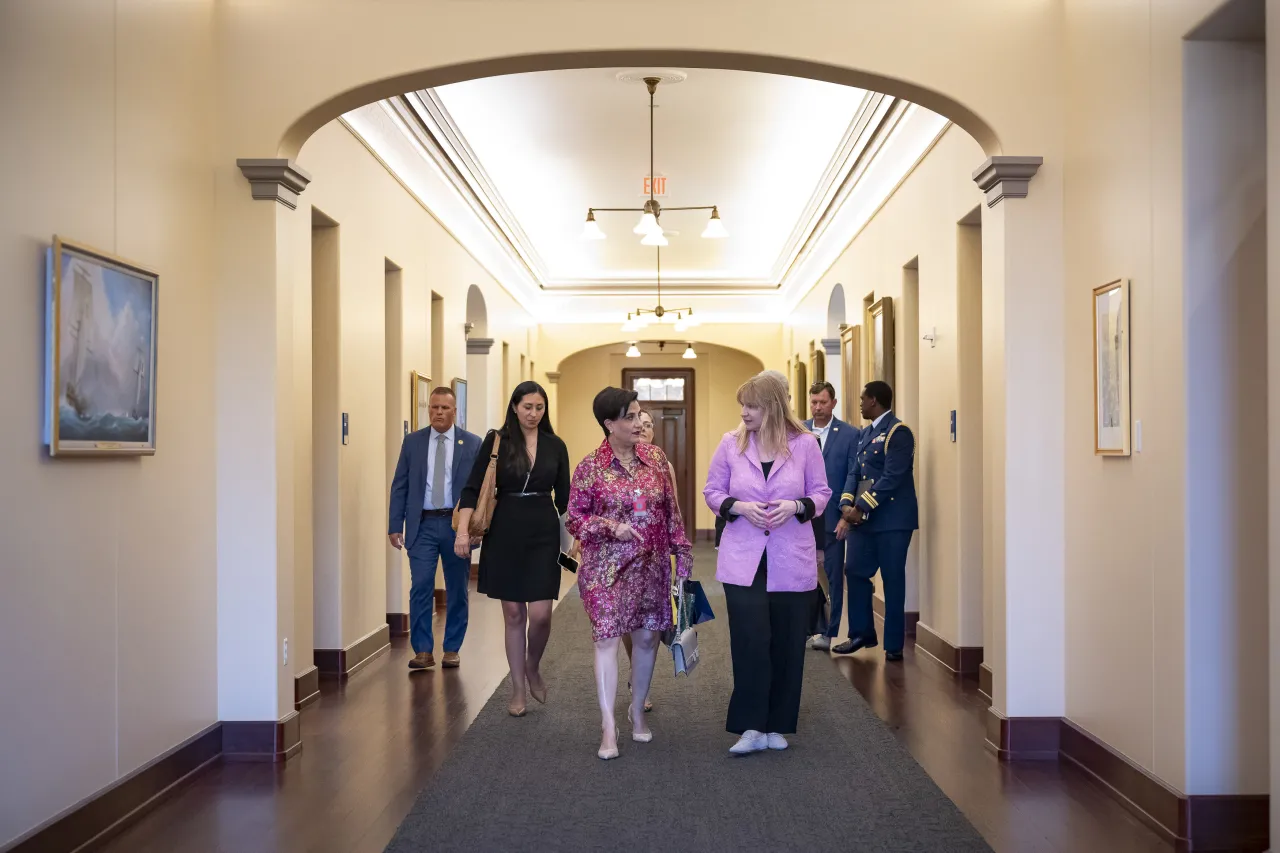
[
  {"x": 344, "y": 427},
  {"x": 953, "y": 426},
  {"x": 1137, "y": 436}
]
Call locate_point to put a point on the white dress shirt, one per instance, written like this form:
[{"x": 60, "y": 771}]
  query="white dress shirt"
[
  {"x": 823, "y": 432},
  {"x": 449, "y": 442},
  {"x": 877, "y": 421}
]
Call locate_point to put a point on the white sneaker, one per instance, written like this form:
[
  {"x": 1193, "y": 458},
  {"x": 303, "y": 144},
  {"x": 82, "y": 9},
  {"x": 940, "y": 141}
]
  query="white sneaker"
[
  {"x": 751, "y": 741},
  {"x": 820, "y": 643},
  {"x": 777, "y": 741}
]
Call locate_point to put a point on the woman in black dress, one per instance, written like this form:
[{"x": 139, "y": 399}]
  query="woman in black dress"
[{"x": 519, "y": 561}]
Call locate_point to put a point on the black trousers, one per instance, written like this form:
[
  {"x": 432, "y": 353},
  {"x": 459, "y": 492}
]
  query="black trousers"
[{"x": 767, "y": 632}]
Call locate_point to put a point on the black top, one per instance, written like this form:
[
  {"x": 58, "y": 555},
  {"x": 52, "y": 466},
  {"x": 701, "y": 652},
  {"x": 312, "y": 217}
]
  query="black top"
[{"x": 550, "y": 472}]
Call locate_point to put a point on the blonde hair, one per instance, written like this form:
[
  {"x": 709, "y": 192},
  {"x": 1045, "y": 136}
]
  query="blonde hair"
[{"x": 768, "y": 391}]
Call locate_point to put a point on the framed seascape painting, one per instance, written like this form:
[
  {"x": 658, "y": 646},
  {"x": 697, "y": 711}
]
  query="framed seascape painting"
[
  {"x": 100, "y": 353},
  {"x": 1111, "y": 369},
  {"x": 459, "y": 387},
  {"x": 419, "y": 400}
]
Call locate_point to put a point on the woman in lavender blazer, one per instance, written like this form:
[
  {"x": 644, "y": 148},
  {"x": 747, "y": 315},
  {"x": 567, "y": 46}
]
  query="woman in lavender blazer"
[{"x": 768, "y": 481}]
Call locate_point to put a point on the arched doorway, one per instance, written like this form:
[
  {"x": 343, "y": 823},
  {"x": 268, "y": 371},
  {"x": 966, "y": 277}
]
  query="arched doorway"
[{"x": 473, "y": 389}]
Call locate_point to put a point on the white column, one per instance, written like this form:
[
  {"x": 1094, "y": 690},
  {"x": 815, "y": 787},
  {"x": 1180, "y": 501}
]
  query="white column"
[
  {"x": 254, "y": 441},
  {"x": 1023, "y": 434},
  {"x": 831, "y": 346},
  {"x": 478, "y": 386}
]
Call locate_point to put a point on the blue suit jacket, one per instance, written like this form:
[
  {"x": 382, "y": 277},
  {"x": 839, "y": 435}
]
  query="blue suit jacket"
[
  {"x": 411, "y": 477},
  {"x": 885, "y": 455},
  {"x": 837, "y": 453}
]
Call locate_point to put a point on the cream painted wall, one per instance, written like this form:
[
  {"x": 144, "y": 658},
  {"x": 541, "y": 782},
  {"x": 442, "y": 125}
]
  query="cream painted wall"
[
  {"x": 718, "y": 371},
  {"x": 1126, "y": 555},
  {"x": 377, "y": 221},
  {"x": 920, "y": 222},
  {"x": 108, "y": 565}
]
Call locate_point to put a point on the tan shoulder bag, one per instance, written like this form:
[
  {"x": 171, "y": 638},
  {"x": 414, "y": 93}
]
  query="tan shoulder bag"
[{"x": 482, "y": 516}]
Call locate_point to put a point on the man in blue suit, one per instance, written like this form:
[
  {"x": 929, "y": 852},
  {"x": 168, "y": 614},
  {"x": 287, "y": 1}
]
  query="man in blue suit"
[
  {"x": 837, "y": 440},
  {"x": 879, "y": 503},
  {"x": 434, "y": 465}
]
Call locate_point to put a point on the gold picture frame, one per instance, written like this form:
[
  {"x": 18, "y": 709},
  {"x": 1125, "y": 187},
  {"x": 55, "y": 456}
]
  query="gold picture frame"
[
  {"x": 101, "y": 353},
  {"x": 851, "y": 372},
  {"x": 419, "y": 400},
  {"x": 880, "y": 340},
  {"x": 1112, "y": 424}
]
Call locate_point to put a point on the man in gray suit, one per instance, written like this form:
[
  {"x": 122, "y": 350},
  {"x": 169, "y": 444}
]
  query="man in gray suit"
[{"x": 434, "y": 465}]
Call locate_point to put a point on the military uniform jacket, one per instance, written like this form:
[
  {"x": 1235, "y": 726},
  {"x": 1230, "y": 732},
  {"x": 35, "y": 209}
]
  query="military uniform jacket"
[{"x": 884, "y": 457}]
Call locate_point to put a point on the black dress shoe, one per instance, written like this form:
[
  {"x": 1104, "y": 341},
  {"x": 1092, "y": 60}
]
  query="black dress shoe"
[
  {"x": 850, "y": 646},
  {"x": 893, "y": 655}
]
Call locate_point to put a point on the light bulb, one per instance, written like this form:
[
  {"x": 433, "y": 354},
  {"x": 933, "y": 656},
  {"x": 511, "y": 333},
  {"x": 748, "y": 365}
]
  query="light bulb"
[
  {"x": 715, "y": 227},
  {"x": 689, "y": 353},
  {"x": 654, "y": 238},
  {"x": 591, "y": 229},
  {"x": 647, "y": 225},
  {"x": 633, "y": 351}
]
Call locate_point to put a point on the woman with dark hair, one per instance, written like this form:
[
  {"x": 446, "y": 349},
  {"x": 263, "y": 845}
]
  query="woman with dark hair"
[
  {"x": 519, "y": 559},
  {"x": 623, "y": 510}
]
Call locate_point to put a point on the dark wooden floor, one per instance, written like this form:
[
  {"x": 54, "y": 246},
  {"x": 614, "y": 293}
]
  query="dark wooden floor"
[{"x": 370, "y": 745}]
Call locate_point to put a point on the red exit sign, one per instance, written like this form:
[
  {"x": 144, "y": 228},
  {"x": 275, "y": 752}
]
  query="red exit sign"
[{"x": 659, "y": 184}]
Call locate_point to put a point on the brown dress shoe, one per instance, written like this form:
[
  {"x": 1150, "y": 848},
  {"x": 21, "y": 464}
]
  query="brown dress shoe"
[
  {"x": 422, "y": 660},
  {"x": 451, "y": 660}
]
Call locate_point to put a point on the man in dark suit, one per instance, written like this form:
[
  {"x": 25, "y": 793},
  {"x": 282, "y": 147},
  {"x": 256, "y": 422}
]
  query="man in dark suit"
[
  {"x": 434, "y": 465},
  {"x": 837, "y": 440},
  {"x": 879, "y": 504}
]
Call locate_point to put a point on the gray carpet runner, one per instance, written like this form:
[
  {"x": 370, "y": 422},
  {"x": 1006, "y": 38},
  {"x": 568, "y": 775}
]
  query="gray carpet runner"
[{"x": 535, "y": 783}]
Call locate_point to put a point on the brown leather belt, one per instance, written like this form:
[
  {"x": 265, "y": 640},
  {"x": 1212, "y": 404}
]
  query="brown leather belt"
[{"x": 436, "y": 513}]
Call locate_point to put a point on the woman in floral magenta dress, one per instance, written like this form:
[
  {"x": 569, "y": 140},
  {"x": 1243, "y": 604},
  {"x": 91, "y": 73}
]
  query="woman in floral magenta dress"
[{"x": 622, "y": 508}]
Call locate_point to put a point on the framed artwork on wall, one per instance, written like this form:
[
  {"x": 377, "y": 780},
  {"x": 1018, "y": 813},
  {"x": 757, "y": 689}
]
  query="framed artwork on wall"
[
  {"x": 100, "y": 353},
  {"x": 419, "y": 400},
  {"x": 459, "y": 387},
  {"x": 881, "y": 321},
  {"x": 851, "y": 372},
  {"x": 1111, "y": 423}
]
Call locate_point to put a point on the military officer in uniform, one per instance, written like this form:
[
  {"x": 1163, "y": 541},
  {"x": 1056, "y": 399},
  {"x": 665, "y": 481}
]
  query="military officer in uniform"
[{"x": 879, "y": 507}]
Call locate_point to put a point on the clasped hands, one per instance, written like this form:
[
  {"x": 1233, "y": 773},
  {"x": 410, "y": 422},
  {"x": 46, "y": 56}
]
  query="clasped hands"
[
  {"x": 768, "y": 515},
  {"x": 850, "y": 516}
]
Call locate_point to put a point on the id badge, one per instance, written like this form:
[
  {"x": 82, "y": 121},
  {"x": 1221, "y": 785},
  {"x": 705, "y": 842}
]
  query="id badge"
[{"x": 640, "y": 506}]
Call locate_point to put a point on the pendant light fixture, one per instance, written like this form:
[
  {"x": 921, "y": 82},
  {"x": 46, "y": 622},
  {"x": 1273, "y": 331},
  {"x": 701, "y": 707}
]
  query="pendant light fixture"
[
  {"x": 688, "y": 352},
  {"x": 650, "y": 227}
]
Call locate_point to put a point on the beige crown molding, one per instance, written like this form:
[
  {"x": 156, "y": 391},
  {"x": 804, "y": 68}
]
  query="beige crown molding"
[
  {"x": 275, "y": 179},
  {"x": 1002, "y": 177},
  {"x": 831, "y": 346},
  {"x": 553, "y": 377}
]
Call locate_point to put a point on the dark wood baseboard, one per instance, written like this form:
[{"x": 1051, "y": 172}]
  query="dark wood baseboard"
[
  {"x": 911, "y": 618},
  {"x": 985, "y": 681},
  {"x": 705, "y": 534},
  {"x": 961, "y": 660},
  {"x": 398, "y": 624},
  {"x": 119, "y": 805},
  {"x": 1023, "y": 738},
  {"x": 306, "y": 688},
  {"x": 1193, "y": 824},
  {"x": 343, "y": 663},
  {"x": 262, "y": 740}
]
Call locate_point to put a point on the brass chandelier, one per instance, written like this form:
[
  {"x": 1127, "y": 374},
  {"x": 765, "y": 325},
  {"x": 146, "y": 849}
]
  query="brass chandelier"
[{"x": 650, "y": 229}]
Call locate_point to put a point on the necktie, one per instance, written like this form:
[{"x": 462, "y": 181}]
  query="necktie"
[
  {"x": 821, "y": 443},
  {"x": 437, "y": 475}
]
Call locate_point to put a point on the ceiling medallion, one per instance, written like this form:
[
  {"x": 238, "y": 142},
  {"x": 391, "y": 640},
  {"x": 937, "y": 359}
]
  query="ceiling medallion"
[{"x": 649, "y": 227}]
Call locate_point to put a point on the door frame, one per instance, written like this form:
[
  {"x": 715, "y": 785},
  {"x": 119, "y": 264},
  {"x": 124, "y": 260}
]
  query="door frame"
[{"x": 689, "y": 375}]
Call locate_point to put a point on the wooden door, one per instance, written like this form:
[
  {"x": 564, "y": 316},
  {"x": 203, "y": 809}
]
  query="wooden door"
[{"x": 668, "y": 396}]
